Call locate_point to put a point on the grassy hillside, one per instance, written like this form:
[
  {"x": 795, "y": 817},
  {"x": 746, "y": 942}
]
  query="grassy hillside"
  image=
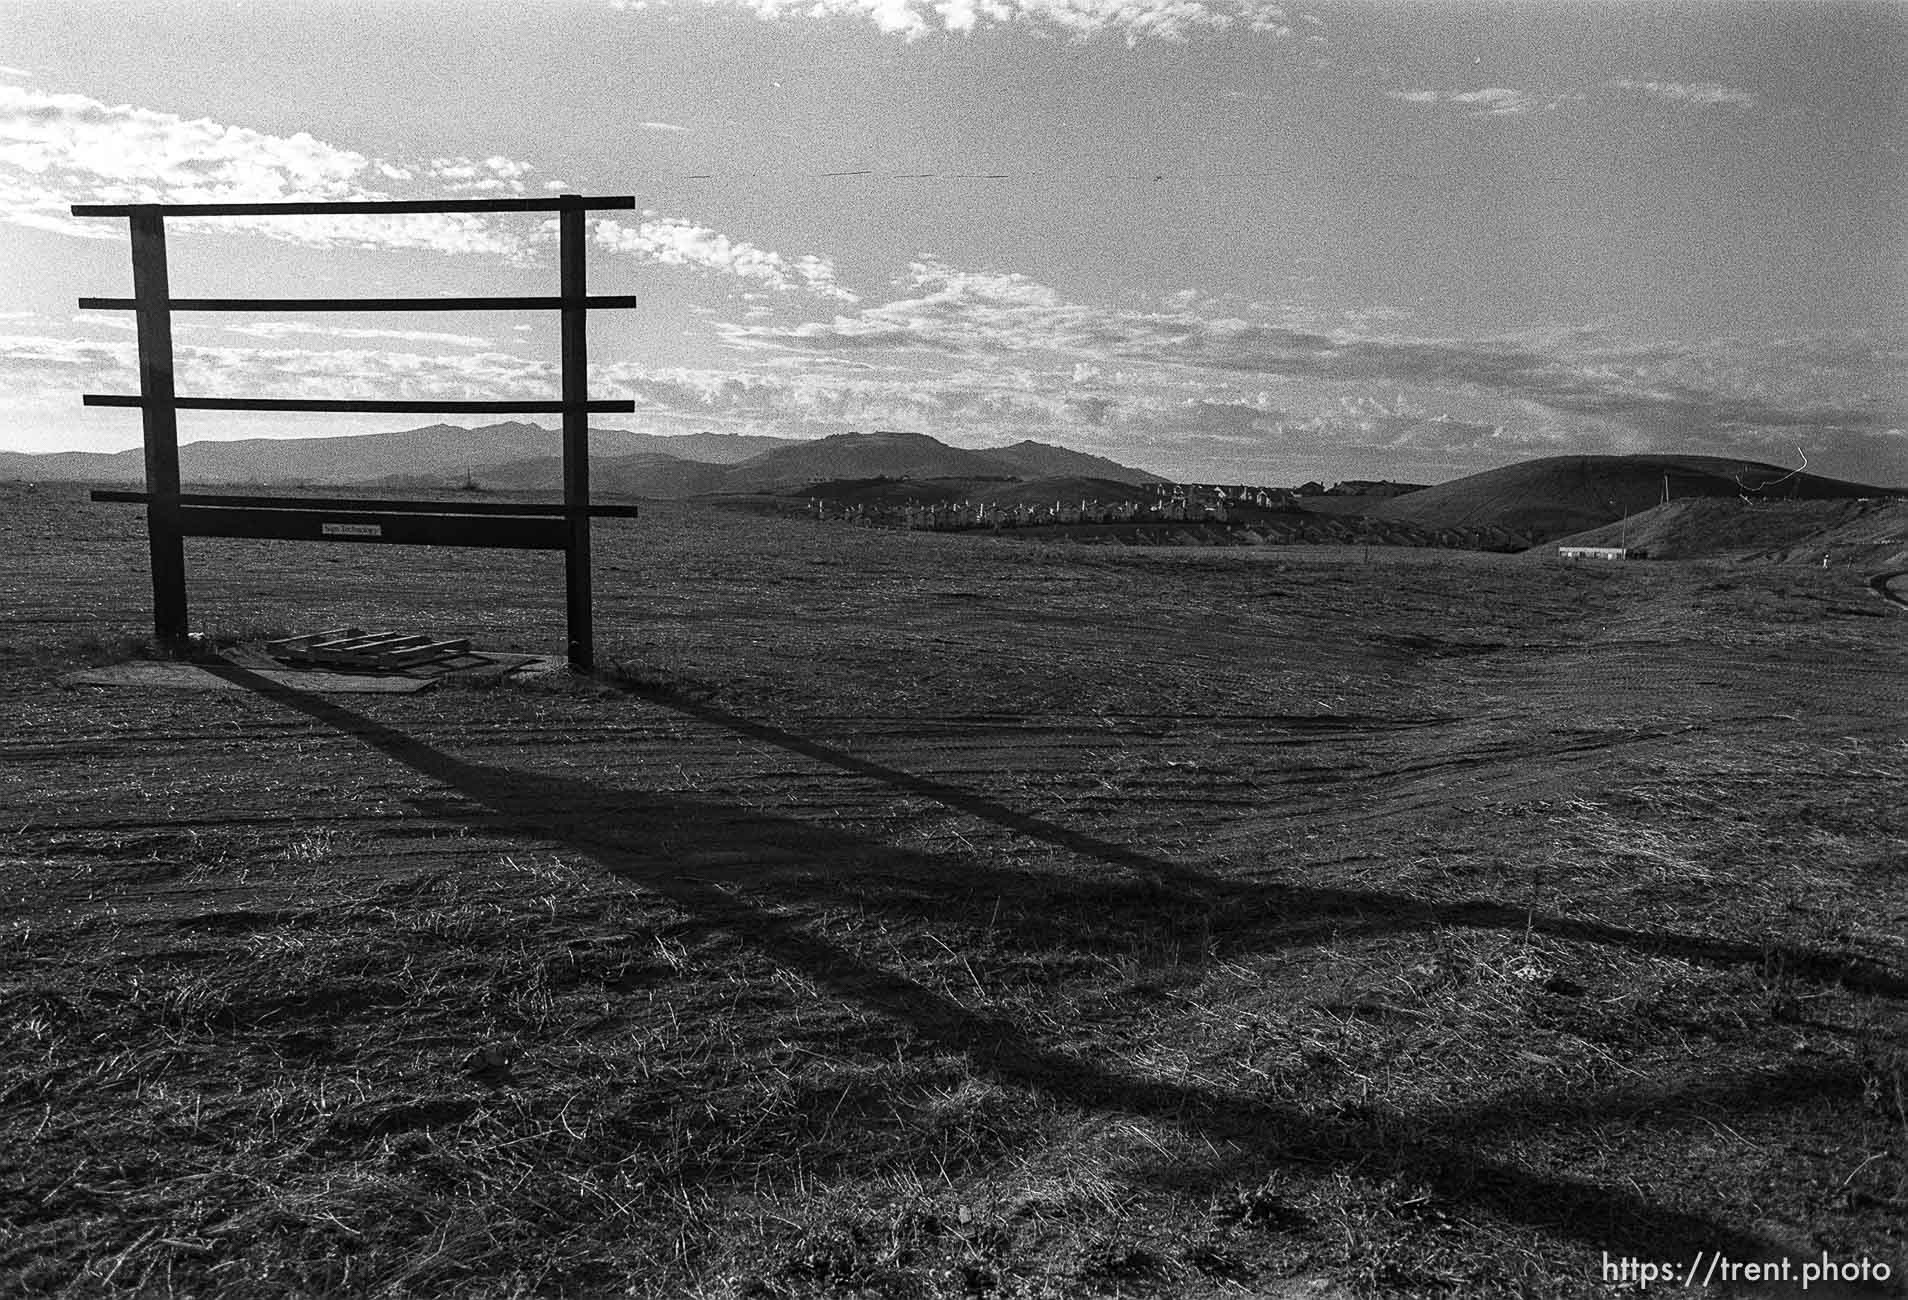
[
  {"x": 1872, "y": 532},
  {"x": 1068, "y": 489},
  {"x": 1043, "y": 460},
  {"x": 1560, "y": 495},
  {"x": 861, "y": 455}
]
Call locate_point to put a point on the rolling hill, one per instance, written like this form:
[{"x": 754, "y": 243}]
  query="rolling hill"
[
  {"x": 862, "y": 455},
  {"x": 883, "y": 491},
  {"x": 1561, "y": 495},
  {"x": 916, "y": 456},
  {"x": 1032, "y": 459}
]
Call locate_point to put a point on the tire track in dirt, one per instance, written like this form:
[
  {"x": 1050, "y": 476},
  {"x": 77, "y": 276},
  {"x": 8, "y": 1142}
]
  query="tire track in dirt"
[
  {"x": 1892, "y": 587},
  {"x": 1232, "y": 776}
]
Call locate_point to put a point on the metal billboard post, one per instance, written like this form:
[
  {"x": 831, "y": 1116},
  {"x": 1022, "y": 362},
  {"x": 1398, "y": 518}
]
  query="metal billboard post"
[
  {"x": 172, "y": 516},
  {"x": 576, "y": 434},
  {"x": 159, "y": 421}
]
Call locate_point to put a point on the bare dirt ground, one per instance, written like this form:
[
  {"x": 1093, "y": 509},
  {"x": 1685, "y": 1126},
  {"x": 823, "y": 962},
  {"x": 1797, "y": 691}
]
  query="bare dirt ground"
[{"x": 917, "y": 915}]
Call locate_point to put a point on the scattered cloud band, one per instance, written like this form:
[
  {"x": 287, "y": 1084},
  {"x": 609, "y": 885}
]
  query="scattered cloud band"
[
  {"x": 1507, "y": 101},
  {"x": 1133, "y": 20},
  {"x": 671, "y": 241}
]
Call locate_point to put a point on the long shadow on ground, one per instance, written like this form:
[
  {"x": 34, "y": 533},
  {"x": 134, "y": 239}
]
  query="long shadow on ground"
[
  {"x": 1341, "y": 912},
  {"x": 645, "y": 839}
]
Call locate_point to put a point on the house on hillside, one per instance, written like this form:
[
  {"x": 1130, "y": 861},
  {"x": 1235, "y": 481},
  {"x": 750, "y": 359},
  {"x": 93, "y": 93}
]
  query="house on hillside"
[{"x": 1594, "y": 552}]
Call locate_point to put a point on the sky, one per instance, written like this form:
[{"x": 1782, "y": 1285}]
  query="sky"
[{"x": 1222, "y": 240}]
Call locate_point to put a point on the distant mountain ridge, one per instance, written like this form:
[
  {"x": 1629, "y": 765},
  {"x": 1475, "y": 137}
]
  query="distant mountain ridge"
[
  {"x": 526, "y": 457},
  {"x": 443, "y": 452}
]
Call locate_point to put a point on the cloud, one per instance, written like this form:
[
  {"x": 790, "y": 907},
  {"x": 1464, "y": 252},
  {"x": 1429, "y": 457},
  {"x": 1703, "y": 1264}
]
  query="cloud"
[
  {"x": 39, "y": 365},
  {"x": 126, "y": 154},
  {"x": 1686, "y": 93},
  {"x": 1504, "y": 101},
  {"x": 459, "y": 233},
  {"x": 1498, "y": 101},
  {"x": 984, "y": 357},
  {"x": 61, "y": 149},
  {"x": 290, "y": 329},
  {"x": 1720, "y": 396},
  {"x": 1184, "y": 369},
  {"x": 495, "y": 176},
  {"x": 663, "y": 126},
  {"x": 965, "y": 403},
  {"x": 364, "y": 372},
  {"x": 1171, "y": 390},
  {"x": 1134, "y": 20},
  {"x": 1354, "y": 437},
  {"x": 1000, "y": 356},
  {"x": 102, "y": 321},
  {"x": 63, "y": 368},
  {"x": 981, "y": 356},
  {"x": 671, "y": 241},
  {"x": 951, "y": 311},
  {"x": 1491, "y": 101}
]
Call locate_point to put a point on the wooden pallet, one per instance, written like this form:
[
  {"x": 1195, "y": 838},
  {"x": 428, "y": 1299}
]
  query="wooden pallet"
[
  {"x": 353, "y": 647},
  {"x": 294, "y": 647}
]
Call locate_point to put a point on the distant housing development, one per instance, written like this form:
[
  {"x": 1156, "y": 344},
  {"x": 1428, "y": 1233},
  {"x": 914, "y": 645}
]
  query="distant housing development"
[
  {"x": 1163, "y": 502},
  {"x": 1084, "y": 508},
  {"x": 1594, "y": 552}
]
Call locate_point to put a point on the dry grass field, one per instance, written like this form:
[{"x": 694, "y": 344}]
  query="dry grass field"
[{"x": 912, "y": 915}]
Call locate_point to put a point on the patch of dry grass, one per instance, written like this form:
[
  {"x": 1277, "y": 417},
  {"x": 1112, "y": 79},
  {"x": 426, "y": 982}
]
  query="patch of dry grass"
[{"x": 533, "y": 1078}]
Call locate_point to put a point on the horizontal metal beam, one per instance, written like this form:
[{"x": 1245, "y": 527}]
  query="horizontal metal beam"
[
  {"x": 393, "y": 206},
  {"x": 545, "y": 303},
  {"x": 382, "y": 527},
  {"x": 540, "y": 509},
  {"x": 607, "y": 406}
]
